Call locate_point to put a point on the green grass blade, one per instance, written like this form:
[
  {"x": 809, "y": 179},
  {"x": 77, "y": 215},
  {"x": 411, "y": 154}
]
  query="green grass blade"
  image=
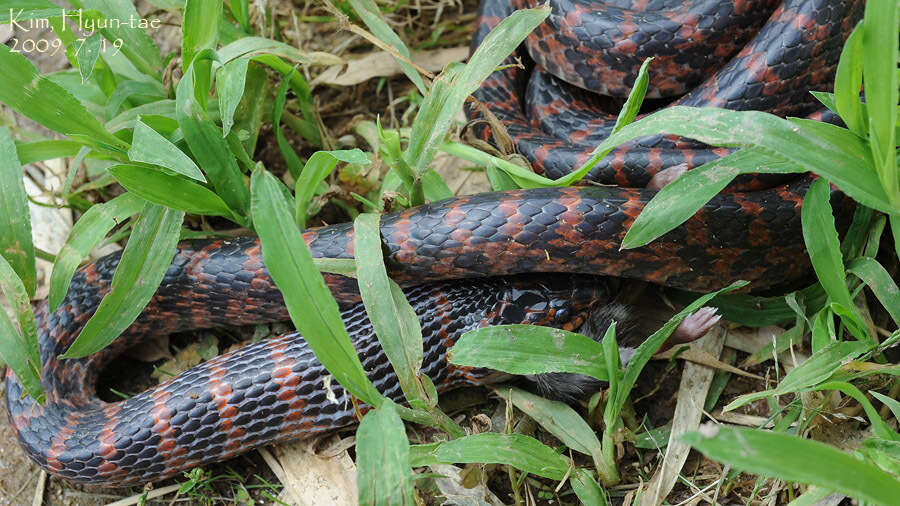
[
  {"x": 27, "y": 92},
  {"x": 879, "y": 281},
  {"x": 128, "y": 89},
  {"x": 38, "y": 151},
  {"x": 892, "y": 404},
  {"x": 879, "y": 427},
  {"x": 19, "y": 347},
  {"x": 137, "y": 46},
  {"x": 824, "y": 248},
  {"x": 371, "y": 16},
  {"x": 522, "y": 452},
  {"x": 256, "y": 46},
  {"x": 440, "y": 107},
  {"x": 16, "y": 246},
  {"x": 309, "y": 301},
  {"x": 144, "y": 262},
  {"x": 529, "y": 349},
  {"x": 85, "y": 236},
  {"x": 556, "y": 417},
  {"x": 586, "y": 488},
  {"x": 394, "y": 320},
  {"x": 308, "y": 127},
  {"x": 170, "y": 191},
  {"x": 199, "y": 30},
  {"x": 384, "y": 475},
  {"x": 240, "y": 10},
  {"x": 652, "y": 344},
  {"x": 210, "y": 148},
  {"x": 840, "y": 138},
  {"x": 768, "y": 134},
  {"x": 295, "y": 165},
  {"x": 632, "y": 105},
  {"x": 317, "y": 168},
  {"x": 816, "y": 369},
  {"x": 680, "y": 199},
  {"x": 19, "y": 11},
  {"x": 879, "y": 59},
  {"x": 791, "y": 458},
  {"x": 884, "y": 454},
  {"x": 149, "y": 146}
]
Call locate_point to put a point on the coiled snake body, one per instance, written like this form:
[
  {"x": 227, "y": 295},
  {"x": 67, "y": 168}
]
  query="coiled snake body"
[{"x": 276, "y": 389}]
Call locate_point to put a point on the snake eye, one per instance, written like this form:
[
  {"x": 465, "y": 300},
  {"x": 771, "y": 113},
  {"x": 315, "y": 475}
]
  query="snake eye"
[{"x": 562, "y": 315}]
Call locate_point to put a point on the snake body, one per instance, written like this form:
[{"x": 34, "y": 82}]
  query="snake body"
[{"x": 447, "y": 255}]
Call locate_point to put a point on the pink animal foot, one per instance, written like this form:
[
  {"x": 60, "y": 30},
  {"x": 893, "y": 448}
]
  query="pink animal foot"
[{"x": 695, "y": 326}]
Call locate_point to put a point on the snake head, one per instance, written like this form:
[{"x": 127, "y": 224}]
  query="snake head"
[{"x": 561, "y": 301}]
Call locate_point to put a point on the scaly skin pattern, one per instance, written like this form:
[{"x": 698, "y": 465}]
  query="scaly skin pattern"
[
  {"x": 268, "y": 391},
  {"x": 556, "y": 125},
  {"x": 276, "y": 389}
]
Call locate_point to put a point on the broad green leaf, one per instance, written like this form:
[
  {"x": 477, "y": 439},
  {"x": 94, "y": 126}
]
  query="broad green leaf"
[
  {"x": 840, "y": 138},
  {"x": 170, "y": 191},
  {"x": 19, "y": 347},
  {"x": 87, "y": 56},
  {"x": 368, "y": 11},
  {"x": 848, "y": 82},
  {"x": 230, "y": 79},
  {"x": 148, "y": 146},
  {"x": 38, "y": 151},
  {"x": 249, "y": 114},
  {"x": 144, "y": 262},
  {"x": 394, "y": 320},
  {"x": 791, "y": 458},
  {"x": 309, "y": 301},
  {"x": 441, "y": 106},
  {"x": 589, "y": 492},
  {"x": 85, "y": 236},
  {"x": 522, "y": 452},
  {"x": 824, "y": 248},
  {"x": 826, "y": 99},
  {"x": 529, "y": 349},
  {"x": 556, "y": 418},
  {"x": 317, "y": 168},
  {"x": 434, "y": 187},
  {"x": 382, "y": 449},
  {"x": 27, "y": 92},
  {"x": 15, "y": 229}
]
